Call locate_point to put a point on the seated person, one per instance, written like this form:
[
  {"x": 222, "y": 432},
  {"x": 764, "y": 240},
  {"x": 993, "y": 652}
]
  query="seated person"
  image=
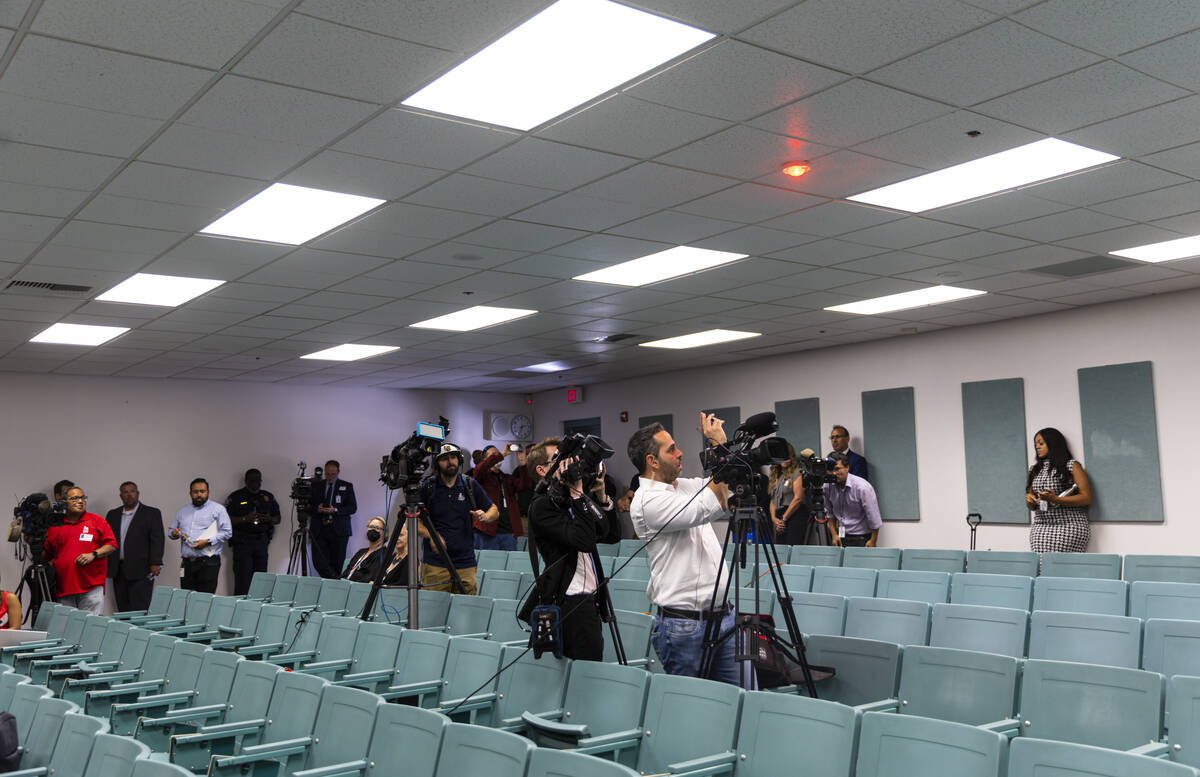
[
  {"x": 10, "y": 611},
  {"x": 397, "y": 570},
  {"x": 365, "y": 563}
]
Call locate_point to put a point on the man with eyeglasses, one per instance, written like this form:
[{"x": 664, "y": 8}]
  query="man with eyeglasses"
[
  {"x": 839, "y": 439},
  {"x": 76, "y": 549}
]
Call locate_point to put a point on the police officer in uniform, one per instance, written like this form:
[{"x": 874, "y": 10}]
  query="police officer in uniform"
[{"x": 254, "y": 514}]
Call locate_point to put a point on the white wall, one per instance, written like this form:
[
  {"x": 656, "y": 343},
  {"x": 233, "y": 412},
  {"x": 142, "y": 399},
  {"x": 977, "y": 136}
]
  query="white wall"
[
  {"x": 1045, "y": 350},
  {"x": 162, "y": 433}
]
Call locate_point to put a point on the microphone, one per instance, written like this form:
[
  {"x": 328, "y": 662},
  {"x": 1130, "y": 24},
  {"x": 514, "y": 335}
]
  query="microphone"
[{"x": 759, "y": 424}]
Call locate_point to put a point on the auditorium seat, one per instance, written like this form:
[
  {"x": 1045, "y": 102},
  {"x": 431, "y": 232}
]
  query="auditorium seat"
[
  {"x": 519, "y": 562},
  {"x": 499, "y": 583},
  {"x": 634, "y": 547},
  {"x": 419, "y": 664},
  {"x": 1166, "y": 569},
  {"x": 628, "y": 595},
  {"x": 356, "y": 599},
  {"x": 797, "y": 577},
  {"x": 635, "y": 628},
  {"x": 299, "y": 637},
  {"x": 1012, "y": 591},
  {"x": 195, "y": 616},
  {"x": 332, "y": 597},
  {"x": 963, "y": 686},
  {"x": 147, "y": 767},
  {"x": 472, "y": 750},
  {"x": 66, "y": 640},
  {"x": 504, "y": 626},
  {"x": 284, "y": 591},
  {"x": 887, "y": 620},
  {"x": 867, "y": 670},
  {"x": 374, "y": 659},
  {"x": 1182, "y": 723},
  {"x": 1152, "y": 599},
  {"x": 158, "y": 603},
  {"x": 544, "y": 762},
  {"x": 816, "y": 613},
  {"x": 1171, "y": 647},
  {"x": 1045, "y": 758},
  {"x": 1101, "y": 566},
  {"x": 112, "y": 642},
  {"x": 261, "y": 586},
  {"x": 71, "y": 748},
  {"x": 816, "y": 555},
  {"x": 919, "y": 586},
  {"x": 845, "y": 581},
  {"x": 891, "y": 745},
  {"x": 630, "y": 568},
  {"x": 1001, "y": 630},
  {"x": 241, "y": 621},
  {"x": 266, "y": 637},
  {"x": 491, "y": 559},
  {"x": 308, "y": 591},
  {"x": 773, "y": 724},
  {"x": 113, "y": 756},
  {"x": 871, "y": 558},
  {"x": 331, "y": 655},
  {"x": 1003, "y": 562},
  {"x": 217, "y": 670},
  {"x": 405, "y": 735},
  {"x": 528, "y": 684},
  {"x": 604, "y": 549},
  {"x": 467, "y": 616},
  {"x": 181, "y": 672},
  {"x": 1080, "y": 594},
  {"x": 220, "y": 613},
  {"x": 24, "y": 704},
  {"x": 690, "y": 723},
  {"x": 1112, "y": 640},
  {"x": 155, "y": 658},
  {"x": 933, "y": 560},
  {"x": 468, "y": 687}
]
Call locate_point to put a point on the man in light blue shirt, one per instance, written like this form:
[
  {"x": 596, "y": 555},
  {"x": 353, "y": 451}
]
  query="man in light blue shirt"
[
  {"x": 851, "y": 507},
  {"x": 204, "y": 528}
]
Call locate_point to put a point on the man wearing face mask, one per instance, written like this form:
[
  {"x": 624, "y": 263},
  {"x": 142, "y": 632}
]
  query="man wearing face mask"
[{"x": 254, "y": 514}]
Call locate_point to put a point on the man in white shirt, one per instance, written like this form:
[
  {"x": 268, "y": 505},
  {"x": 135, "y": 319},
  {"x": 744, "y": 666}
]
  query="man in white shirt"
[{"x": 674, "y": 516}]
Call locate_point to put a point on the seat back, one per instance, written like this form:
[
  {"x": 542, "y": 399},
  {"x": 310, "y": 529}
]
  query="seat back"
[
  {"x": 343, "y": 726},
  {"x": 333, "y": 595},
  {"x": 134, "y": 650},
  {"x": 602, "y": 549},
  {"x": 146, "y": 767},
  {"x": 500, "y": 584},
  {"x": 92, "y": 636},
  {"x": 1105, "y": 706},
  {"x": 470, "y": 668},
  {"x": 605, "y": 697},
  {"x": 635, "y": 629},
  {"x": 772, "y": 724},
  {"x": 24, "y": 704},
  {"x": 404, "y": 735},
  {"x": 421, "y": 657},
  {"x": 9, "y": 682},
  {"x": 356, "y": 599},
  {"x": 797, "y": 577},
  {"x": 919, "y": 586},
  {"x": 628, "y": 595},
  {"x": 57, "y": 617},
  {"x": 184, "y": 667},
  {"x": 503, "y": 626},
  {"x": 197, "y": 608},
  {"x": 114, "y": 756},
  {"x": 434, "y": 607},
  {"x": 1100, "y": 566},
  {"x": 518, "y": 562},
  {"x": 689, "y": 717},
  {"x": 528, "y": 684},
  {"x": 933, "y": 560},
  {"x": 1003, "y": 562},
  {"x": 1012, "y": 591},
  {"x": 74, "y": 744},
  {"x": 284, "y": 591},
  {"x": 308, "y": 591},
  {"x": 871, "y": 558},
  {"x": 491, "y": 559},
  {"x": 112, "y": 644},
  {"x": 159, "y": 650},
  {"x": 1043, "y": 758},
  {"x": 1002, "y": 630},
  {"x": 160, "y": 600},
  {"x": 272, "y": 623},
  {"x": 375, "y": 647},
  {"x": 958, "y": 685},
  {"x": 45, "y": 614},
  {"x": 867, "y": 670},
  {"x": 303, "y": 630},
  {"x": 907, "y": 744},
  {"x": 391, "y": 606},
  {"x": 816, "y": 613},
  {"x": 244, "y": 617},
  {"x": 177, "y": 606},
  {"x": 295, "y": 700},
  {"x": 261, "y": 585},
  {"x": 631, "y": 568},
  {"x": 468, "y": 614},
  {"x": 337, "y": 637},
  {"x": 845, "y": 581},
  {"x": 544, "y": 762},
  {"x": 470, "y": 749},
  {"x": 1081, "y": 594},
  {"x": 633, "y": 547},
  {"x": 220, "y": 612},
  {"x": 1152, "y": 599},
  {"x": 1113, "y": 640},
  {"x": 1171, "y": 647},
  {"x": 48, "y": 718},
  {"x": 816, "y": 555},
  {"x": 218, "y": 668},
  {"x": 73, "y": 628},
  {"x": 888, "y": 620},
  {"x": 1183, "y": 719},
  {"x": 1167, "y": 569},
  {"x": 250, "y": 694}
]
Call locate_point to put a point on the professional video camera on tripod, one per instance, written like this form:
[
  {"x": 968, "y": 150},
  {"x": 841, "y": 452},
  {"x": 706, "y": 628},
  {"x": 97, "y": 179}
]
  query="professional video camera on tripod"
[
  {"x": 37, "y": 513},
  {"x": 738, "y": 464},
  {"x": 301, "y": 495}
]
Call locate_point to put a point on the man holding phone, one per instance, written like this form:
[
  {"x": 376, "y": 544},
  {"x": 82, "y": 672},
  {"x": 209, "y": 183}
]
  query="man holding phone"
[
  {"x": 502, "y": 490},
  {"x": 334, "y": 504}
]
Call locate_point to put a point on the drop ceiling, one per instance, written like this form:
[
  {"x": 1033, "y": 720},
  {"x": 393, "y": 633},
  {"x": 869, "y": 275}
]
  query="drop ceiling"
[{"x": 128, "y": 125}]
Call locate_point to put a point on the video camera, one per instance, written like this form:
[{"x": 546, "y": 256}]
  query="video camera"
[
  {"x": 302, "y": 490},
  {"x": 739, "y": 460},
  {"x": 38, "y": 513},
  {"x": 409, "y": 461},
  {"x": 588, "y": 453},
  {"x": 815, "y": 472}
]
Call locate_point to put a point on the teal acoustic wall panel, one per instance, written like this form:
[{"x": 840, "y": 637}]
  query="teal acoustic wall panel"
[
  {"x": 996, "y": 449},
  {"x": 668, "y": 422},
  {"x": 1120, "y": 442},
  {"x": 890, "y": 439},
  {"x": 800, "y": 423}
]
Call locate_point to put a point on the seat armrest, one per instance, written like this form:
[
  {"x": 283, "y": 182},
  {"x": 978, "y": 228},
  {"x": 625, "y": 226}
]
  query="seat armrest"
[
  {"x": 610, "y": 743},
  {"x": 883, "y": 705},
  {"x": 374, "y": 676},
  {"x": 260, "y": 651},
  {"x": 229, "y": 632},
  {"x": 347, "y": 769},
  {"x": 1009, "y": 727},
  {"x": 1154, "y": 750},
  {"x": 705, "y": 766},
  {"x": 292, "y": 659},
  {"x": 219, "y": 730},
  {"x": 185, "y": 628},
  {"x": 411, "y": 689},
  {"x": 325, "y": 667},
  {"x": 272, "y": 751}
]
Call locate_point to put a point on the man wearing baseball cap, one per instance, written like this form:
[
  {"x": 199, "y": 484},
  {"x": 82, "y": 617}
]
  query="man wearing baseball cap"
[{"x": 453, "y": 499}]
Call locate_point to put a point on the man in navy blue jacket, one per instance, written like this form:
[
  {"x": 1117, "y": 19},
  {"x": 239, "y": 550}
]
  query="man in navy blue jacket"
[
  {"x": 333, "y": 505},
  {"x": 839, "y": 438}
]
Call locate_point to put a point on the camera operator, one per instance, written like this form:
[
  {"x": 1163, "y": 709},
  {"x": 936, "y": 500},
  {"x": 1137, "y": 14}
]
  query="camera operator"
[
  {"x": 254, "y": 513},
  {"x": 566, "y": 539},
  {"x": 76, "y": 549},
  {"x": 685, "y": 559},
  {"x": 454, "y": 502}
]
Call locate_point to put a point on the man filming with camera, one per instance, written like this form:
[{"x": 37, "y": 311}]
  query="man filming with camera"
[
  {"x": 77, "y": 549},
  {"x": 673, "y": 514},
  {"x": 565, "y": 531}
]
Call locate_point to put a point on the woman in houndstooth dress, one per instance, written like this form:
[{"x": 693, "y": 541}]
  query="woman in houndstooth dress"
[{"x": 1063, "y": 525}]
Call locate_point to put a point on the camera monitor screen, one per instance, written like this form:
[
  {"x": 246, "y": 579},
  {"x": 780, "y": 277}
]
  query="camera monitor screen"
[{"x": 430, "y": 430}]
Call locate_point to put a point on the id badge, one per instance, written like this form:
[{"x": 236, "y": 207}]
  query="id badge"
[
  {"x": 842, "y": 530},
  {"x": 1043, "y": 505},
  {"x": 337, "y": 500},
  {"x": 86, "y": 536}
]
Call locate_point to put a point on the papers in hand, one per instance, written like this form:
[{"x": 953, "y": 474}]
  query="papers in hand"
[{"x": 209, "y": 534}]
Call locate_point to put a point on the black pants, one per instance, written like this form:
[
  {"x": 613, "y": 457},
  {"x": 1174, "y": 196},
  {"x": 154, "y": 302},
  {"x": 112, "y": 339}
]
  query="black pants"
[
  {"x": 133, "y": 594},
  {"x": 328, "y": 551},
  {"x": 582, "y": 629},
  {"x": 856, "y": 540},
  {"x": 200, "y": 574},
  {"x": 249, "y": 556}
]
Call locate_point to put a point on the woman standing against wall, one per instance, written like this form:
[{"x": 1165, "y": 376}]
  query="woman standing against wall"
[{"x": 1058, "y": 492}]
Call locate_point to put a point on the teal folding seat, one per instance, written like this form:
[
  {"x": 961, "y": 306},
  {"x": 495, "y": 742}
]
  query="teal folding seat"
[
  {"x": 195, "y": 616},
  {"x": 217, "y": 670},
  {"x": 544, "y": 762},
  {"x": 114, "y": 756},
  {"x": 374, "y": 660},
  {"x": 299, "y": 636},
  {"x": 261, "y": 586},
  {"x": 1171, "y": 647},
  {"x": 1112, "y": 640},
  {"x": 628, "y": 595},
  {"x": 635, "y": 629},
  {"x": 871, "y": 558},
  {"x": 473, "y": 750},
  {"x": 887, "y": 620},
  {"x": 153, "y": 665},
  {"x": 284, "y": 592},
  {"x": 147, "y": 767},
  {"x": 158, "y": 604},
  {"x": 1152, "y": 599},
  {"x": 228, "y": 617},
  {"x": 112, "y": 643},
  {"x": 1012, "y": 591},
  {"x": 909, "y": 745},
  {"x": 9, "y": 682},
  {"x": 1166, "y": 569},
  {"x": 1001, "y": 630},
  {"x": 174, "y": 616},
  {"x": 38, "y": 745},
  {"x": 81, "y": 635},
  {"x": 45, "y": 614},
  {"x": 1099, "y": 566},
  {"x": 933, "y": 560},
  {"x": 773, "y": 723},
  {"x": 631, "y": 568},
  {"x": 601, "y": 712},
  {"x": 356, "y": 599},
  {"x": 72, "y": 747},
  {"x": 24, "y": 704},
  {"x": 522, "y": 542},
  {"x": 504, "y": 626},
  {"x": 468, "y": 690},
  {"x": 391, "y": 606},
  {"x": 797, "y": 577},
  {"x": 634, "y": 547},
  {"x": 1182, "y": 721},
  {"x": 518, "y": 562},
  {"x": 182, "y": 669},
  {"x": 402, "y": 735},
  {"x": 1106, "y": 706},
  {"x": 467, "y": 616},
  {"x": 604, "y": 549},
  {"x": 1081, "y": 594},
  {"x": 491, "y": 559},
  {"x": 816, "y": 555},
  {"x": 500, "y": 584},
  {"x": 528, "y": 684},
  {"x": 816, "y": 613},
  {"x": 332, "y": 598},
  {"x": 266, "y": 636},
  {"x": 419, "y": 664},
  {"x": 867, "y": 670},
  {"x": 1045, "y": 758},
  {"x": 308, "y": 591},
  {"x": 689, "y": 720},
  {"x": 331, "y": 655},
  {"x": 844, "y": 581},
  {"x": 1003, "y": 562},
  {"x": 962, "y": 686},
  {"x": 433, "y": 606},
  {"x": 919, "y": 586}
]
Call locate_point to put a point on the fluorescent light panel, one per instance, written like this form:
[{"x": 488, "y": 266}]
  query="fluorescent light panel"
[
  {"x": 1033, "y": 162},
  {"x": 1165, "y": 251},
  {"x": 699, "y": 339},
  {"x": 167, "y": 290},
  {"x": 474, "y": 318},
  {"x": 350, "y": 353},
  {"x": 682, "y": 260},
  {"x": 933, "y": 295},
  {"x": 566, "y": 55},
  {"x": 78, "y": 334},
  {"x": 283, "y": 213},
  {"x": 545, "y": 367}
]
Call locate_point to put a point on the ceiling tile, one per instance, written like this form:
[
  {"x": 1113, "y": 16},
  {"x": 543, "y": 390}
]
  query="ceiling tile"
[
  {"x": 905, "y": 232},
  {"x": 1158, "y": 204},
  {"x": 844, "y": 173},
  {"x": 401, "y": 218},
  {"x": 23, "y": 163},
  {"x": 161, "y": 183},
  {"x": 147, "y": 213},
  {"x": 310, "y": 268},
  {"x": 552, "y": 266},
  {"x": 11, "y": 13},
  {"x": 481, "y": 288},
  {"x": 676, "y": 227},
  {"x": 744, "y": 152},
  {"x": 39, "y": 200},
  {"x": 546, "y": 164},
  {"x": 891, "y": 263},
  {"x": 466, "y": 255},
  {"x": 1112, "y": 27},
  {"x": 479, "y": 195},
  {"x": 821, "y": 253},
  {"x": 1119, "y": 179},
  {"x": 1060, "y": 226},
  {"x": 1173, "y": 60},
  {"x": 353, "y": 174},
  {"x": 1184, "y": 160},
  {"x": 579, "y": 212},
  {"x": 971, "y": 245},
  {"x": 610, "y": 248},
  {"x": 224, "y": 152},
  {"x": 515, "y": 236},
  {"x": 1147, "y": 131},
  {"x": 430, "y": 141},
  {"x": 834, "y": 218},
  {"x": 755, "y": 241},
  {"x": 1119, "y": 238},
  {"x": 1000, "y": 209},
  {"x": 624, "y": 125},
  {"x": 716, "y": 17},
  {"x": 943, "y": 141},
  {"x": 750, "y": 202},
  {"x": 67, "y": 126},
  {"x": 1029, "y": 257},
  {"x": 384, "y": 245},
  {"x": 655, "y": 185}
]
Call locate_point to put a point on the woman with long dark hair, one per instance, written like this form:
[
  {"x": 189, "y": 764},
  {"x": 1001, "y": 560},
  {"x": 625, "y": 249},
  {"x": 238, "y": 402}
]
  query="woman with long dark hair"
[{"x": 1058, "y": 492}]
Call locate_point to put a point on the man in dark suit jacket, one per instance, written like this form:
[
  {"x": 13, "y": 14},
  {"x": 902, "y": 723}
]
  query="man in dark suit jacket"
[
  {"x": 333, "y": 505},
  {"x": 138, "y": 560},
  {"x": 839, "y": 439}
]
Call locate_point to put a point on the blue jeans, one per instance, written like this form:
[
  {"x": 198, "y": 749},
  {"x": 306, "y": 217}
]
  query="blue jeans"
[
  {"x": 679, "y": 643},
  {"x": 90, "y": 601},
  {"x": 499, "y": 542}
]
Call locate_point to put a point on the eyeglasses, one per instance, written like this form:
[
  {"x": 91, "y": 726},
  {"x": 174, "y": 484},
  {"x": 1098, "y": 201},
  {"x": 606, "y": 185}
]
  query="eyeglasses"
[{"x": 77, "y": 499}]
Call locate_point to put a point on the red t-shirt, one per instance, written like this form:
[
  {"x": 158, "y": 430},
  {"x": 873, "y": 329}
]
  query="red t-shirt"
[{"x": 65, "y": 543}]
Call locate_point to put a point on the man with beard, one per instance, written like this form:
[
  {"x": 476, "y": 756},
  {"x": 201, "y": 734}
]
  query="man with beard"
[
  {"x": 453, "y": 500},
  {"x": 204, "y": 528}
]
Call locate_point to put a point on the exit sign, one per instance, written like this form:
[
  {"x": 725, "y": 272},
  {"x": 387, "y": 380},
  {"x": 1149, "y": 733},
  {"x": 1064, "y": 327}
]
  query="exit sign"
[{"x": 574, "y": 395}]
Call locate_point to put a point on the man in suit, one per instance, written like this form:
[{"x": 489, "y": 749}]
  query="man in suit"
[
  {"x": 333, "y": 505},
  {"x": 839, "y": 440},
  {"x": 139, "y": 532}
]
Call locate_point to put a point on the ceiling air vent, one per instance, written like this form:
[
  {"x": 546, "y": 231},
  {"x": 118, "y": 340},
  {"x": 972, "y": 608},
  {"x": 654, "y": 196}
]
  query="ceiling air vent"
[
  {"x": 47, "y": 289},
  {"x": 1088, "y": 265}
]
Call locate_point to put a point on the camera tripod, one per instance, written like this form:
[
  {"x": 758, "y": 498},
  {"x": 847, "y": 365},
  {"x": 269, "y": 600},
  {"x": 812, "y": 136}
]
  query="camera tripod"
[
  {"x": 301, "y": 541},
  {"x": 753, "y": 639},
  {"x": 39, "y": 576}
]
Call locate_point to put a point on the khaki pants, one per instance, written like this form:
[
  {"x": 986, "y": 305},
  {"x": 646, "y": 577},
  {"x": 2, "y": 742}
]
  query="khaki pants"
[{"x": 438, "y": 579}]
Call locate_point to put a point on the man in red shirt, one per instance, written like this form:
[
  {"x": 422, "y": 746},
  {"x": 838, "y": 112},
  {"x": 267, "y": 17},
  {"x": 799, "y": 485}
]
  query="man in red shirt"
[
  {"x": 76, "y": 549},
  {"x": 502, "y": 490}
]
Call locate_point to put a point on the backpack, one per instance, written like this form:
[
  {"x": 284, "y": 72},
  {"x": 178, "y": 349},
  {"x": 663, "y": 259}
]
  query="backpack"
[{"x": 10, "y": 751}]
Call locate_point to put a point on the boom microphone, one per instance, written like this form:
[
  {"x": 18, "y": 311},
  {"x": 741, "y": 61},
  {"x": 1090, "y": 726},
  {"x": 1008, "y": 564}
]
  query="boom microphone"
[{"x": 759, "y": 424}]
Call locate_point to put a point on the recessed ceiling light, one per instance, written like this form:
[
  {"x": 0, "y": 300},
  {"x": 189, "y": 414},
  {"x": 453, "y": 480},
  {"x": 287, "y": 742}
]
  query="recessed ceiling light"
[
  {"x": 78, "y": 334},
  {"x": 350, "y": 353},
  {"x": 698, "y": 339},
  {"x": 660, "y": 266},
  {"x": 474, "y": 318},
  {"x": 545, "y": 367},
  {"x": 1165, "y": 251},
  {"x": 566, "y": 55},
  {"x": 933, "y": 295},
  {"x": 283, "y": 213},
  {"x": 1033, "y": 162},
  {"x": 167, "y": 290}
]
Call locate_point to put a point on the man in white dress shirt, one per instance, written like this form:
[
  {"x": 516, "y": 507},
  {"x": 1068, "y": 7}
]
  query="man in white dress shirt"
[{"x": 674, "y": 515}]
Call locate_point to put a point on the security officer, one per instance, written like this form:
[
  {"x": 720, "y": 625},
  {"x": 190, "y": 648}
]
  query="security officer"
[{"x": 254, "y": 514}]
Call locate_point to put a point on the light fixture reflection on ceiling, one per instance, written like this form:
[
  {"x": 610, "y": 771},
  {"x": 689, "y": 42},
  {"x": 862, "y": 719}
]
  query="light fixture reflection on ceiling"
[
  {"x": 473, "y": 318},
  {"x": 919, "y": 298},
  {"x": 166, "y": 290},
  {"x": 78, "y": 334},
  {"x": 283, "y": 213},
  {"x": 545, "y": 367},
  {"x": 671, "y": 263},
  {"x": 700, "y": 339},
  {"x": 350, "y": 352}
]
